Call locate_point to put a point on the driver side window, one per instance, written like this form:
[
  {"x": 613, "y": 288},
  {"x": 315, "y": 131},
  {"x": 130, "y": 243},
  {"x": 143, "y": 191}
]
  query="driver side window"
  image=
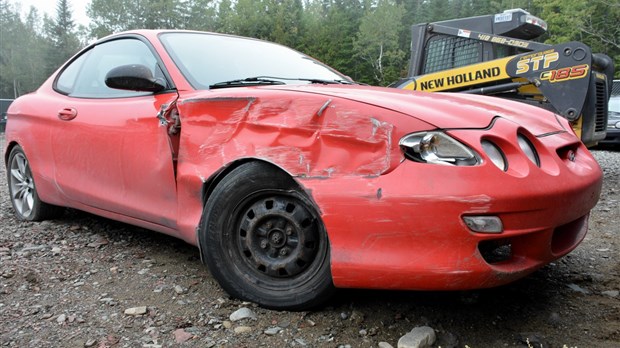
[{"x": 85, "y": 76}]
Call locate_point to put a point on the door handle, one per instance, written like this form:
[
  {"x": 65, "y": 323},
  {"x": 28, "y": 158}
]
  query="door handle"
[{"x": 67, "y": 114}]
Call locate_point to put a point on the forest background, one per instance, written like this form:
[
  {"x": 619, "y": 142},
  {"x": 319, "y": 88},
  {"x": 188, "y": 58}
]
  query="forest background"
[{"x": 368, "y": 40}]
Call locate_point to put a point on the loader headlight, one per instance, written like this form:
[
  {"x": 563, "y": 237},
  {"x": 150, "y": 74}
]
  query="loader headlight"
[
  {"x": 536, "y": 21},
  {"x": 437, "y": 148}
]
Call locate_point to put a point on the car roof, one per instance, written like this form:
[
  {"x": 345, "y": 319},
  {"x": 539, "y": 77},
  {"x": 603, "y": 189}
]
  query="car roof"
[{"x": 152, "y": 34}]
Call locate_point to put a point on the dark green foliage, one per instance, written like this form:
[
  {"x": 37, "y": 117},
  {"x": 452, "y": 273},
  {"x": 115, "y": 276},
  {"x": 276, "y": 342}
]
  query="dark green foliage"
[
  {"x": 22, "y": 52},
  {"x": 376, "y": 43},
  {"x": 62, "y": 37},
  {"x": 31, "y": 48},
  {"x": 594, "y": 23}
]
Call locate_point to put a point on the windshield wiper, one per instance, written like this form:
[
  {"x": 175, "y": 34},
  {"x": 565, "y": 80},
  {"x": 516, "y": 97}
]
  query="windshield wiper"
[
  {"x": 326, "y": 82},
  {"x": 273, "y": 80},
  {"x": 311, "y": 80},
  {"x": 250, "y": 81}
]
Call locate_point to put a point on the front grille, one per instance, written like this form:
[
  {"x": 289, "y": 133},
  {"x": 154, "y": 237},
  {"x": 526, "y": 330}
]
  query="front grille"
[{"x": 601, "y": 106}]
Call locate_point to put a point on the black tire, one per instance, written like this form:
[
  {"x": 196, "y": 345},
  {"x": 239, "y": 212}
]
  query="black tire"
[
  {"x": 22, "y": 190},
  {"x": 264, "y": 241}
]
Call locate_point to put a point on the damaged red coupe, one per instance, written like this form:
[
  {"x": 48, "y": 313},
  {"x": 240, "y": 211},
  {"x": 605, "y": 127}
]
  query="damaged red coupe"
[{"x": 292, "y": 179}]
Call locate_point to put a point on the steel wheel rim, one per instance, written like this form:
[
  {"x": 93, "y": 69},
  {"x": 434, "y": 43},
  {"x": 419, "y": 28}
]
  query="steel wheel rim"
[
  {"x": 278, "y": 237},
  {"x": 21, "y": 185}
]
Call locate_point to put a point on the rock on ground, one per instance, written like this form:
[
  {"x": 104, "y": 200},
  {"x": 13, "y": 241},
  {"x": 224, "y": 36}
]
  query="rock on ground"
[{"x": 419, "y": 337}]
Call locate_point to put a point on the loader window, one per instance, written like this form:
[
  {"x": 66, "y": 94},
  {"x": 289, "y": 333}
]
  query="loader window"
[{"x": 447, "y": 52}]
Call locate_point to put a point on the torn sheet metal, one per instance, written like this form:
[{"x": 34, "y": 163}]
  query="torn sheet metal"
[{"x": 344, "y": 140}]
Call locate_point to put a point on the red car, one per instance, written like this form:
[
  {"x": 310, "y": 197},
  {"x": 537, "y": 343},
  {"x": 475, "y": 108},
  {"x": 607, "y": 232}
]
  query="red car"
[{"x": 292, "y": 179}]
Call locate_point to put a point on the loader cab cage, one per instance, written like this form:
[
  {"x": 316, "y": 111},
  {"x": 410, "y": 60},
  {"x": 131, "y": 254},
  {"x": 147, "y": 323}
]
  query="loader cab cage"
[
  {"x": 446, "y": 52},
  {"x": 449, "y": 44}
]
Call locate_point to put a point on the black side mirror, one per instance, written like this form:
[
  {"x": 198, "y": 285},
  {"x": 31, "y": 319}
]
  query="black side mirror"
[{"x": 134, "y": 77}]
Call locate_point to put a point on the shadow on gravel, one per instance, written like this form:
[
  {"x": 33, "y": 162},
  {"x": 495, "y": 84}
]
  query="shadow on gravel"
[
  {"x": 516, "y": 300},
  {"x": 509, "y": 304},
  {"x": 116, "y": 231}
]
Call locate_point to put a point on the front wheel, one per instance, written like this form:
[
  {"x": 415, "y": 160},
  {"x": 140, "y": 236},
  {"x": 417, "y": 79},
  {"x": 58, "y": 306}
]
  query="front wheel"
[
  {"x": 264, "y": 241},
  {"x": 24, "y": 197}
]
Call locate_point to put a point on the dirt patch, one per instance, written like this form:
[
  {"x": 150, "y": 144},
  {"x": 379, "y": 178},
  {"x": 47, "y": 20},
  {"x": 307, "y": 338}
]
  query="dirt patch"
[{"x": 85, "y": 281}]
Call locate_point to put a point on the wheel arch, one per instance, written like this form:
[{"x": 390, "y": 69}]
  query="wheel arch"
[
  {"x": 226, "y": 195},
  {"x": 38, "y": 209},
  {"x": 211, "y": 183},
  {"x": 9, "y": 148}
]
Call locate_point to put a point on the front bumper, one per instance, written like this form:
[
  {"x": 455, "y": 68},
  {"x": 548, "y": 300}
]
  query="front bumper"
[{"x": 404, "y": 229}]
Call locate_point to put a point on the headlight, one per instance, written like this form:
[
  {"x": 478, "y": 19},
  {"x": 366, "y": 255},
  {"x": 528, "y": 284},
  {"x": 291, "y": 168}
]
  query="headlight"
[{"x": 437, "y": 148}]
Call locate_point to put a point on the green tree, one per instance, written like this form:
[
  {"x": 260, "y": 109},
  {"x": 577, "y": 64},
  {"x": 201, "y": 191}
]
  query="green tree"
[
  {"x": 34, "y": 59},
  {"x": 252, "y": 18},
  {"x": 199, "y": 15},
  {"x": 330, "y": 37},
  {"x": 163, "y": 14},
  {"x": 601, "y": 29},
  {"x": 111, "y": 16},
  {"x": 63, "y": 40},
  {"x": 225, "y": 15},
  {"x": 22, "y": 57},
  {"x": 594, "y": 23},
  {"x": 376, "y": 42},
  {"x": 286, "y": 16}
]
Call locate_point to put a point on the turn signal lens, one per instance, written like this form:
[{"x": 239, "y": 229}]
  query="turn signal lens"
[{"x": 484, "y": 224}]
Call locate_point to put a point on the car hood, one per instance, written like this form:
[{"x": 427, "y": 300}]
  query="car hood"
[{"x": 442, "y": 110}]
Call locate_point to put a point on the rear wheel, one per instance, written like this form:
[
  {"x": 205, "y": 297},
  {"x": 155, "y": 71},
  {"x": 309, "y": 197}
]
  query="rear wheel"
[
  {"x": 264, "y": 241},
  {"x": 23, "y": 192}
]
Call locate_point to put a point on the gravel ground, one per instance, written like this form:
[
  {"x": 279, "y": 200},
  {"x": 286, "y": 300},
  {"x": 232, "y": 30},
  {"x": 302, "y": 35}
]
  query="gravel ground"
[{"x": 85, "y": 281}]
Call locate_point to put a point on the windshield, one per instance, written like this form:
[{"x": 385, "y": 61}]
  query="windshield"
[{"x": 210, "y": 59}]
